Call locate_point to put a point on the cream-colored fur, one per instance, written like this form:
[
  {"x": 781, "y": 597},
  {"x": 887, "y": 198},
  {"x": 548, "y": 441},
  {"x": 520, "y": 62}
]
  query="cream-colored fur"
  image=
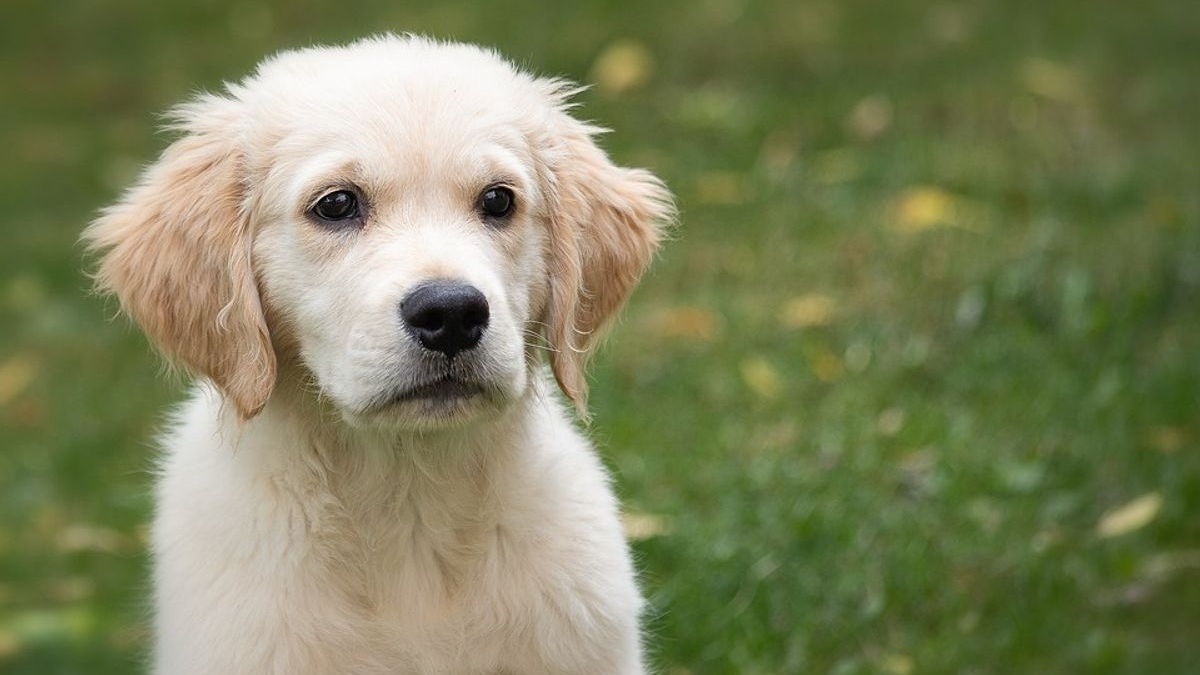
[{"x": 310, "y": 519}]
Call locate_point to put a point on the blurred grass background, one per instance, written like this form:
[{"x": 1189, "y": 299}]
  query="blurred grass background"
[{"x": 914, "y": 391}]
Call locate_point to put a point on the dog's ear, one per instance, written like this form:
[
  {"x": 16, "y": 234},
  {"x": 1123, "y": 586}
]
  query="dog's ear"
[
  {"x": 606, "y": 223},
  {"x": 176, "y": 251}
]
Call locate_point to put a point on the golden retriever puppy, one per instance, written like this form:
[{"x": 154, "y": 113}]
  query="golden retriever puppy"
[{"x": 366, "y": 254}]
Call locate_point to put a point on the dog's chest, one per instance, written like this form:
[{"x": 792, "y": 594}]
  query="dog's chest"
[{"x": 440, "y": 584}]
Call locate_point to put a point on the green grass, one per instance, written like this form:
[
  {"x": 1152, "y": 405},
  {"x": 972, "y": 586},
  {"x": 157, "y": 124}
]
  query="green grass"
[{"x": 894, "y": 370}]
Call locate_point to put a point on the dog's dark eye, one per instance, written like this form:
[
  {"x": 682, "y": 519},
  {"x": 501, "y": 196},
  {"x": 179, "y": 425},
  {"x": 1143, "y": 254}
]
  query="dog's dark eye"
[
  {"x": 497, "y": 202},
  {"x": 337, "y": 205}
]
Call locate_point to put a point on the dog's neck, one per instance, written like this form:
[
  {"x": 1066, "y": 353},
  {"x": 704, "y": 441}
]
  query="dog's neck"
[
  {"x": 361, "y": 461},
  {"x": 365, "y": 492}
]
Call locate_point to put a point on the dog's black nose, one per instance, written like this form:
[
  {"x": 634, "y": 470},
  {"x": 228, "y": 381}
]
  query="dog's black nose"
[{"x": 445, "y": 316}]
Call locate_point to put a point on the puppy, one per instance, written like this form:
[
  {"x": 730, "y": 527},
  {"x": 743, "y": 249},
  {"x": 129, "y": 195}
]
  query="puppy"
[{"x": 366, "y": 254}]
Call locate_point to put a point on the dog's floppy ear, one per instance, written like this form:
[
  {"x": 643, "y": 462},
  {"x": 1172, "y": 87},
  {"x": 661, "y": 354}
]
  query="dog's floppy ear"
[
  {"x": 176, "y": 251},
  {"x": 606, "y": 225}
]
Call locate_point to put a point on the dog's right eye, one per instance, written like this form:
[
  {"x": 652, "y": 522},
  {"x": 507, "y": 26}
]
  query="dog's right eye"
[
  {"x": 497, "y": 202},
  {"x": 337, "y": 206}
]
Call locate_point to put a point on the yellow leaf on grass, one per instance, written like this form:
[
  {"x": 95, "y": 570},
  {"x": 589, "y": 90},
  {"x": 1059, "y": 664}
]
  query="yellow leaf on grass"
[
  {"x": 870, "y": 117},
  {"x": 762, "y": 378},
  {"x": 623, "y": 66},
  {"x": 950, "y": 24},
  {"x": 923, "y": 208},
  {"x": 16, "y": 374},
  {"x": 25, "y": 293},
  {"x": 896, "y": 664},
  {"x": 1053, "y": 80},
  {"x": 85, "y": 537},
  {"x": 9, "y": 644},
  {"x": 689, "y": 323},
  {"x": 1130, "y": 517},
  {"x": 1167, "y": 439},
  {"x": 890, "y": 421},
  {"x": 721, "y": 188},
  {"x": 823, "y": 363},
  {"x": 807, "y": 311},
  {"x": 640, "y": 526},
  {"x": 928, "y": 207},
  {"x": 72, "y": 589}
]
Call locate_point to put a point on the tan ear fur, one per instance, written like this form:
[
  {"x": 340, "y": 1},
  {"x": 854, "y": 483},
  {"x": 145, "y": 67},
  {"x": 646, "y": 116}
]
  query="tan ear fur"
[
  {"x": 177, "y": 253},
  {"x": 607, "y": 224}
]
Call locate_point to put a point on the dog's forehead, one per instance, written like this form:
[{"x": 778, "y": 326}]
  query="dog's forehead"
[{"x": 397, "y": 89}]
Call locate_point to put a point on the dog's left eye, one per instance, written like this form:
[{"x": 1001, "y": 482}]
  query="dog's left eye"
[
  {"x": 497, "y": 202},
  {"x": 337, "y": 205}
]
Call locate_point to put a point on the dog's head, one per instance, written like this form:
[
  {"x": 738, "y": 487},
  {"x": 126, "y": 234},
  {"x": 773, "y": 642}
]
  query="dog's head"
[{"x": 408, "y": 222}]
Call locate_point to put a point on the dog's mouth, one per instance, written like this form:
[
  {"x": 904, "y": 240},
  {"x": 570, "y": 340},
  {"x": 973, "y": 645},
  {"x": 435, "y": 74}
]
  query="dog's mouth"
[
  {"x": 429, "y": 395},
  {"x": 440, "y": 397},
  {"x": 442, "y": 390}
]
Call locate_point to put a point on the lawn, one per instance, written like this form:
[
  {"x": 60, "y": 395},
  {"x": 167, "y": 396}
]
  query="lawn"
[{"x": 914, "y": 389}]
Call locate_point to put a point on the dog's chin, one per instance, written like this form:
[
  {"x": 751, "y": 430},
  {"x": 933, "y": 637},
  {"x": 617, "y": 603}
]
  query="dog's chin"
[{"x": 443, "y": 403}]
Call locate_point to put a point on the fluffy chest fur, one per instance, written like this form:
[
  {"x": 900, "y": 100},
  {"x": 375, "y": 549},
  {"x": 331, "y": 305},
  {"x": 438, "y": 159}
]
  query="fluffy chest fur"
[{"x": 497, "y": 554}]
